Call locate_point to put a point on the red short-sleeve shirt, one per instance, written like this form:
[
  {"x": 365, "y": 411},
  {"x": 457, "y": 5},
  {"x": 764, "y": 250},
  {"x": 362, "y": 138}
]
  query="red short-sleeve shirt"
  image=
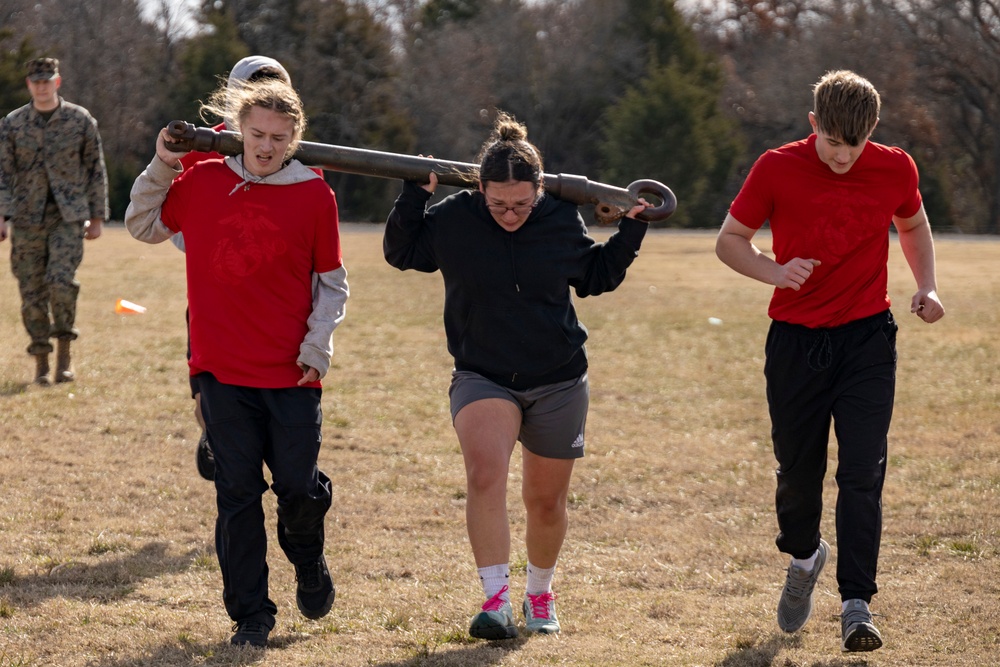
[
  {"x": 840, "y": 219},
  {"x": 251, "y": 253}
]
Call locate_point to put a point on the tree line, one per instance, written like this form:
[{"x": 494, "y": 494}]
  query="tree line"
[{"x": 687, "y": 93}]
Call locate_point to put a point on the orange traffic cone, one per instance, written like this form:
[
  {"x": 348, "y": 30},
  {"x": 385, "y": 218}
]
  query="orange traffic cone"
[{"x": 123, "y": 307}]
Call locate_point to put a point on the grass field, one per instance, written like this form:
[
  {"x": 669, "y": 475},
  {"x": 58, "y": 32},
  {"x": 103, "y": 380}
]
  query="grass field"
[{"x": 106, "y": 531}]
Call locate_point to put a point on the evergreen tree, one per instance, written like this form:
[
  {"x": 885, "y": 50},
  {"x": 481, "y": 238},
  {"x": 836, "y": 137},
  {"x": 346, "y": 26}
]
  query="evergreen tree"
[
  {"x": 204, "y": 63},
  {"x": 13, "y": 90},
  {"x": 349, "y": 88},
  {"x": 339, "y": 55},
  {"x": 670, "y": 127}
]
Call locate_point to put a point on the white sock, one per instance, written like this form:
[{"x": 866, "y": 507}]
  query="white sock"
[
  {"x": 806, "y": 564},
  {"x": 494, "y": 578},
  {"x": 539, "y": 579}
]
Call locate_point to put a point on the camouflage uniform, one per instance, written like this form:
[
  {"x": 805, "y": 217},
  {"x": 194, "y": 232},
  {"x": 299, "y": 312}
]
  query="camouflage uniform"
[{"x": 52, "y": 179}]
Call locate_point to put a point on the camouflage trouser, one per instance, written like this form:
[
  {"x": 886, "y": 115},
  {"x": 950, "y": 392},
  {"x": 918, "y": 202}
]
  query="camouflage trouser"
[{"x": 44, "y": 259}]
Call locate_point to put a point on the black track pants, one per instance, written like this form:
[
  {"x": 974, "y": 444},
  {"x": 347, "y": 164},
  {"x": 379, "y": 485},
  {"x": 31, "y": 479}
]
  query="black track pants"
[
  {"x": 846, "y": 374},
  {"x": 248, "y": 428}
]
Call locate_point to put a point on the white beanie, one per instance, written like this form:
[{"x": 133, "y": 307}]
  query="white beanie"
[{"x": 247, "y": 67}]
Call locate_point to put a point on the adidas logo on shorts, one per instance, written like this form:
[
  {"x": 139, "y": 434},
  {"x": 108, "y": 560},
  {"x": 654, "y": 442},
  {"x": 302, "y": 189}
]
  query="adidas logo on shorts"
[{"x": 579, "y": 441}]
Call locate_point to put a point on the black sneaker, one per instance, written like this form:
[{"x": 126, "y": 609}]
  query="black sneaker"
[
  {"x": 315, "y": 592},
  {"x": 250, "y": 633},
  {"x": 205, "y": 458}
]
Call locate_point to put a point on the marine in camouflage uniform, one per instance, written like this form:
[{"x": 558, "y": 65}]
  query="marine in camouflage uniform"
[{"x": 53, "y": 194}]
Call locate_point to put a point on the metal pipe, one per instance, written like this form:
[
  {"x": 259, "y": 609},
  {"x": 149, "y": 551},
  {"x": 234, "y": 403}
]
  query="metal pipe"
[{"x": 610, "y": 202}]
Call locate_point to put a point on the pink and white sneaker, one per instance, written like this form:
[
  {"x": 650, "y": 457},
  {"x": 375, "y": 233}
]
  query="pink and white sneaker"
[{"x": 496, "y": 620}]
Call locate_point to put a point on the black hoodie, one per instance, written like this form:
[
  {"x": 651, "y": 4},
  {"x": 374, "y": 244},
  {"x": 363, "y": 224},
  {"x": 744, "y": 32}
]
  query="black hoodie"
[{"x": 508, "y": 313}]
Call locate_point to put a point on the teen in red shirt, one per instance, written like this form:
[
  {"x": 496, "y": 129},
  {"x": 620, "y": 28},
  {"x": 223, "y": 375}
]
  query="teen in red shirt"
[
  {"x": 266, "y": 289},
  {"x": 831, "y": 348},
  {"x": 248, "y": 69}
]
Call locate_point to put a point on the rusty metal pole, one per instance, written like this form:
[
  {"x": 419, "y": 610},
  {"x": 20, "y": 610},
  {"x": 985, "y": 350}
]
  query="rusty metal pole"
[{"x": 610, "y": 202}]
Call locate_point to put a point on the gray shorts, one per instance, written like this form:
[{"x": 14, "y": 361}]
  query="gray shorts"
[{"x": 553, "y": 416}]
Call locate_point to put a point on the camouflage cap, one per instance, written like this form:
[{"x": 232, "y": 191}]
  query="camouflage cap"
[{"x": 41, "y": 69}]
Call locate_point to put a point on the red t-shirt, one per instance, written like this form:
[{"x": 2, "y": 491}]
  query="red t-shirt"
[
  {"x": 250, "y": 259},
  {"x": 840, "y": 219}
]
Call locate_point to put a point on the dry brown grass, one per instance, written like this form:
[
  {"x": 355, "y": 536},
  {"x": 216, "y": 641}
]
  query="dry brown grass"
[{"x": 106, "y": 552}]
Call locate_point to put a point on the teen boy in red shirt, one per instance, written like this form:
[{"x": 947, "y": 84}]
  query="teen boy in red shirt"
[{"x": 831, "y": 347}]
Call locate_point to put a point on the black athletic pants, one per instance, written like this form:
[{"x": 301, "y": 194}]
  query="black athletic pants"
[
  {"x": 847, "y": 374},
  {"x": 249, "y": 427}
]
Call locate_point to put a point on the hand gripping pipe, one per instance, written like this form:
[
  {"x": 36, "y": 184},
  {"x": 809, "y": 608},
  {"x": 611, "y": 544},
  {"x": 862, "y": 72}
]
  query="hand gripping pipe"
[{"x": 610, "y": 202}]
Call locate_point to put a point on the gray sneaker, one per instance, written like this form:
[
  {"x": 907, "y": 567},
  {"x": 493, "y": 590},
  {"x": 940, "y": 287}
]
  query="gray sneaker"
[
  {"x": 857, "y": 629},
  {"x": 796, "y": 604}
]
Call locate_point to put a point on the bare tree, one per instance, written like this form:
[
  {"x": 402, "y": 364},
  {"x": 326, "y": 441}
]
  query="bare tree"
[
  {"x": 557, "y": 66},
  {"x": 448, "y": 83},
  {"x": 110, "y": 60},
  {"x": 775, "y": 50},
  {"x": 959, "y": 46}
]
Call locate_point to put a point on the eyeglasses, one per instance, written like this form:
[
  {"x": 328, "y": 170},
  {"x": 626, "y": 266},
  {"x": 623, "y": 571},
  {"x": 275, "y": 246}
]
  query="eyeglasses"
[
  {"x": 498, "y": 210},
  {"x": 502, "y": 210}
]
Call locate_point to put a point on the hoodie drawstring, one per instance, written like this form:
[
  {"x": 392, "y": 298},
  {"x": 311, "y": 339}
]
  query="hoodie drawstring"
[{"x": 513, "y": 268}]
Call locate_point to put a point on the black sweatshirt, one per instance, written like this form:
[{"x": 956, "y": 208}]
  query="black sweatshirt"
[{"x": 508, "y": 313}]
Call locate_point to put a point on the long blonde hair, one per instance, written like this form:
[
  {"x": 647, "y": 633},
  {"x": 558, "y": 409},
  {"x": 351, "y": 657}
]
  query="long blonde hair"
[{"x": 235, "y": 101}]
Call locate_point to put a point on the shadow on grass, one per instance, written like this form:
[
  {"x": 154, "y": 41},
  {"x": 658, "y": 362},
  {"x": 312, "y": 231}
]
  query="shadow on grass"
[
  {"x": 479, "y": 654},
  {"x": 765, "y": 655},
  {"x": 760, "y": 655},
  {"x": 110, "y": 578},
  {"x": 12, "y": 388},
  {"x": 219, "y": 653},
  {"x": 222, "y": 653}
]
